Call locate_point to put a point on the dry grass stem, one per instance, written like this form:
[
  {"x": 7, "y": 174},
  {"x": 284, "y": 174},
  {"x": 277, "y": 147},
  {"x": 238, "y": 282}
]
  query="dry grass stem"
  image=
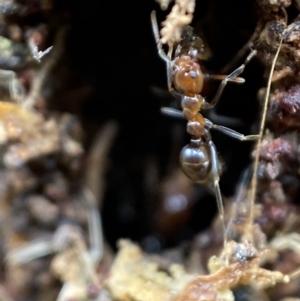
[{"x": 259, "y": 143}]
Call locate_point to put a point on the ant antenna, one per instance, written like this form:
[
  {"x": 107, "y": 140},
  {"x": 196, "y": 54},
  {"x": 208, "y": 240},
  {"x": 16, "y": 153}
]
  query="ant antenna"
[{"x": 155, "y": 28}]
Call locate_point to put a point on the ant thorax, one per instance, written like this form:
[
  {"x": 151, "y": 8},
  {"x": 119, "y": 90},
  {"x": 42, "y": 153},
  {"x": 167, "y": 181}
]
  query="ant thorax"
[{"x": 187, "y": 76}]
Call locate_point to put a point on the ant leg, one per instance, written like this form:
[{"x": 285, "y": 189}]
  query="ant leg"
[
  {"x": 229, "y": 132},
  {"x": 175, "y": 94},
  {"x": 236, "y": 80},
  {"x": 224, "y": 120},
  {"x": 241, "y": 69},
  {"x": 172, "y": 112},
  {"x": 179, "y": 114},
  {"x": 216, "y": 178},
  {"x": 231, "y": 77}
]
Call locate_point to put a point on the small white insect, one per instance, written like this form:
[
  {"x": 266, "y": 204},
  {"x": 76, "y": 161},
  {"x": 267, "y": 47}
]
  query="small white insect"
[{"x": 35, "y": 52}]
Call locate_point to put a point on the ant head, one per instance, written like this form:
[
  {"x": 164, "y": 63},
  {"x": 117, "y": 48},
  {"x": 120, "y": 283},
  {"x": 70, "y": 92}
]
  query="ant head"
[{"x": 191, "y": 45}]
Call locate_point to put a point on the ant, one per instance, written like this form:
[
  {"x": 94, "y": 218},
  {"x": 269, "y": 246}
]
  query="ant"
[{"x": 198, "y": 159}]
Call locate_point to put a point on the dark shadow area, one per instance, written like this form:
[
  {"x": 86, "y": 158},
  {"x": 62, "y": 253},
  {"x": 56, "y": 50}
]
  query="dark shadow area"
[{"x": 111, "y": 71}]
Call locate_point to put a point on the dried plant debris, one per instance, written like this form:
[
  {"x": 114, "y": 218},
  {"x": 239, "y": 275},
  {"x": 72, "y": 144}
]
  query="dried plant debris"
[
  {"x": 13, "y": 54},
  {"x": 43, "y": 222},
  {"x": 46, "y": 211},
  {"x": 26, "y": 135},
  {"x": 180, "y": 15},
  {"x": 274, "y": 155},
  {"x": 35, "y": 192},
  {"x": 274, "y": 5},
  {"x": 134, "y": 277},
  {"x": 74, "y": 265}
]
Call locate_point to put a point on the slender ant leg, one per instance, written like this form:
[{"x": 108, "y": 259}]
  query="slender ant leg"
[
  {"x": 229, "y": 132},
  {"x": 216, "y": 178},
  {"x": 237, "y": 80},
  {"x": 211, "y": 126},
  {"x": 172, "y": 112},
  {"x": 231, "y": 77}
]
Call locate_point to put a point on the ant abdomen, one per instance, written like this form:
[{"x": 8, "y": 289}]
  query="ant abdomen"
[{"x": 195, "y": 161}]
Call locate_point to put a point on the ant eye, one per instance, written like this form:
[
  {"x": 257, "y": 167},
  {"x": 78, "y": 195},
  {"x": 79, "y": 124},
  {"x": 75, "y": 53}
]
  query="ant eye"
[
  {"x": 193, "y": 74},
  {"x": 193, "y": 53}
]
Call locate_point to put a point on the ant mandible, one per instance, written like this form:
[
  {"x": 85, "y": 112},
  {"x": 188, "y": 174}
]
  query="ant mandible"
[{"x": 198, "y": 159}]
